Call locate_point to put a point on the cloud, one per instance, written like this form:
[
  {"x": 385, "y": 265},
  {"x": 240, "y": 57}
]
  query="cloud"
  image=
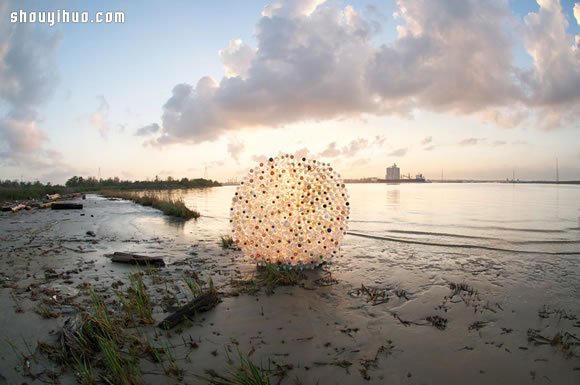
[
  {"x": 147, "y": 130},
  {"x": 577, "y": 13},
  {"x": 429, "y": 148},
  {"x": 330, "y": 151},
  {"x": 350, "y": 150},
  {"x": 28, "y": 78},
  {"x": 235, "y": 148},
  {"x": 399, "y": 152},
  {"x": 497, "y": 143},
  {"x": 379, "y": 140},
  {"x": 449, "y": 57},
  {"x": 554, "y": 80},
  {"x": 237, "y": 58},
  {"x": 471, "y": 141},
  {"x": 355, "y": 146},
  {"x": 426, "y": 140},
  {"x": 99, "y": 119},
  {"x": 317, "y": 61}
]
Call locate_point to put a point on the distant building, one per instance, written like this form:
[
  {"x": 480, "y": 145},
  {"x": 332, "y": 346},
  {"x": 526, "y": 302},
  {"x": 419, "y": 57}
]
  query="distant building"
[{"x": 393, "y": 172}]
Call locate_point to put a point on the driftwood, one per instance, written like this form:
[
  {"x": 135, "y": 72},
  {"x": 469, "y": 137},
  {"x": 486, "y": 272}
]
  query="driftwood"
[
  {"x": 18, "y": 208},
  {"x": 135, "y": 259},
  {"x": 66, "y": 206},
  {"x": 202, "y": 303}
]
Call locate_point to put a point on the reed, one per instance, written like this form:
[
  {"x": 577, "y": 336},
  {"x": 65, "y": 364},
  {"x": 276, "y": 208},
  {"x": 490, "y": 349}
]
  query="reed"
[{"x": 171, "y": 207}]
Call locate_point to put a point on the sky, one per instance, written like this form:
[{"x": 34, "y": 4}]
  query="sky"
[{"x": 466, "y": 89}]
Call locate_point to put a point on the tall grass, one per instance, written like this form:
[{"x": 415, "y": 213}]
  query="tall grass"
[{"x": 171, "y": 207}]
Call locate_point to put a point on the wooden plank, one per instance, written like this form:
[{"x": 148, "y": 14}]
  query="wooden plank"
[
  {"x": 202, "y": 303},
  {"x": 66, "y": 206},
  {"x": 135, "y": 259}
]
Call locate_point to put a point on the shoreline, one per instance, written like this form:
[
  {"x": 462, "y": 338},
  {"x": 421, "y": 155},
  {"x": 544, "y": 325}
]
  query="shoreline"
[{"x": 432, "y": 321}]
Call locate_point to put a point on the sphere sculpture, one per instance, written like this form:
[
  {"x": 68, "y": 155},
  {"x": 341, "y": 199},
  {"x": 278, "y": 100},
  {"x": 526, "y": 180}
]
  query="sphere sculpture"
[{"x": 291, "y": 212}]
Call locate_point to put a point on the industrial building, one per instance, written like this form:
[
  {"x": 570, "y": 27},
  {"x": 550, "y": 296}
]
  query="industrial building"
[{"x": 393, "y": 172}]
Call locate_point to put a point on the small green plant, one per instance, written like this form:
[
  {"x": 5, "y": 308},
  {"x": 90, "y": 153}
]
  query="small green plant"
[
  {"x": 83, "y": 371},
  {"x": 118, "y": 370},
  {"x": 227, "y": 242},
  {"x": 46, "y": 311},
  {"x": 247, "y": 373},
  {"x": 194, "y": 287},
  {"x": 275, "y": 275},
  {"x": 136, "y": 301}
]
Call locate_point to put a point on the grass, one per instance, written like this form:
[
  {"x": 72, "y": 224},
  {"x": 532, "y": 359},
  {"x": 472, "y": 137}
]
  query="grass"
[
  {"x": 105, "y": 342},
  {"x": 136, "y": 301},
  {"x": 274, "y": 276},
  {"x": 268, "y": 277},
  {"x": 247, "y": 373},
  {"x": 227, "y": 242},
  {"x": 17, "y": 304},
  {"x": 171, "y": 207}
]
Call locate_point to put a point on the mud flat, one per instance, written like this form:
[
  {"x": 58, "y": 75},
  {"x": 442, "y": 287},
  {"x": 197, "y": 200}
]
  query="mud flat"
[{"x": 383, "y": 314}]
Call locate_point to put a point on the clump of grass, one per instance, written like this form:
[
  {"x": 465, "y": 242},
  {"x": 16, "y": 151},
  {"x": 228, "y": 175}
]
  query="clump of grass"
[
  {"x": 45, "y": 311},
  {"x": 171, "y": 207},
  {"x": 566, "y": 341},
  {"x": 84, "y": 371},
  {"x": 437, "y": 321},
  {"x": 276, "y": 275},
  {"x": 247, "y": 373},
  {"x": 17, "y": 304},
  {"x": 458, "y": 288},
  {"x": 137, "y": 302},
  {"x": 227, "y": 242},
  {"x": 193, "y": 285}
]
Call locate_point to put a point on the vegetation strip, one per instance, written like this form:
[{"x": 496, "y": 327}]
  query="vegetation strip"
[{"x": 171, "y": 207}]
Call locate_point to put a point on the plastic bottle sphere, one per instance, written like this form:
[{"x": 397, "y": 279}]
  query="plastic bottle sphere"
[{"x": 290, "y": 211}]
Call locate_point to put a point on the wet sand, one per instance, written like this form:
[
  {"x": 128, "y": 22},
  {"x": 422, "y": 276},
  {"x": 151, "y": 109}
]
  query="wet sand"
[{"x": 413, "y": 314}]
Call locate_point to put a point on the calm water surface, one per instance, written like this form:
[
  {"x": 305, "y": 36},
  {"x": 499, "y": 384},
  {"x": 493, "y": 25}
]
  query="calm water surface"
[{"x": 514, "y": 217}]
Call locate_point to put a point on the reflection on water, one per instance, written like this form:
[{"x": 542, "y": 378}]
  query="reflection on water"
[{"x": 393, "y": 196}]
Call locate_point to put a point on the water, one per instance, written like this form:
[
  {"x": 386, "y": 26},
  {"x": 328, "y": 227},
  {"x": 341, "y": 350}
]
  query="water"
[
  {"x": 515, "y": 217},
  {"x": 508, "y": 235}
]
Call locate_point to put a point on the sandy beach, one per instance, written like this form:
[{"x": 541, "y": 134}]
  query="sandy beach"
[{"x": 411, "y": 315}]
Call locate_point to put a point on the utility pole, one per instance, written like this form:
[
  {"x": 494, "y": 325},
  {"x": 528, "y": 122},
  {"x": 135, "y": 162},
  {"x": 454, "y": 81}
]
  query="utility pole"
[{"x": 557, "y": 172}]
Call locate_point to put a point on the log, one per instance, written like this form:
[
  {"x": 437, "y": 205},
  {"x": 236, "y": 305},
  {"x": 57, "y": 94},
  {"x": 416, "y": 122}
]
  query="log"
[
  {"x": 66, "y": 206},
  {"x": 202, "y": 303},
  {"x": 135, "y": 259},
  {"x": 52, "y": 197},
  {"x": 18, "y": 208}
]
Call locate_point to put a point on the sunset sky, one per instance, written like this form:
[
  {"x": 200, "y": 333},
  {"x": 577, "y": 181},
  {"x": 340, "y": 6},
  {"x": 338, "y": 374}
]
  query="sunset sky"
[{"x": 474, "y": 88}]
